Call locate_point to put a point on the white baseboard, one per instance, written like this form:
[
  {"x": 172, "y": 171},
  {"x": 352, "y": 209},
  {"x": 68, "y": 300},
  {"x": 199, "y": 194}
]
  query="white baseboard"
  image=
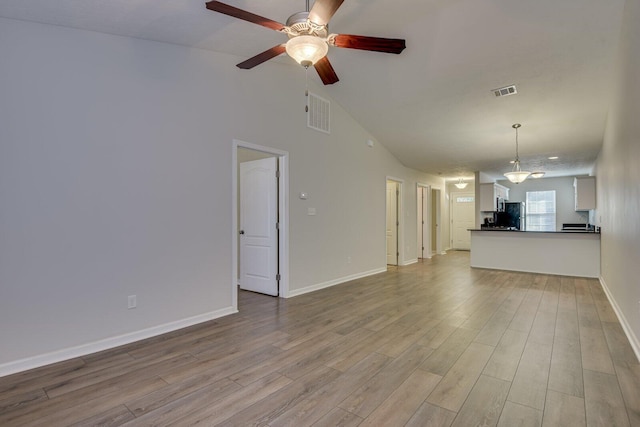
[
  {"x": 633, "y": 339},
  {"x": 411, "y": 261},
  {"x": 107, "y": 343},
  {"x": 318, "y": 286}
]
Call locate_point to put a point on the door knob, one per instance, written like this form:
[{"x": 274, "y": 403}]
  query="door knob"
[{"x": 241, "y": 231}]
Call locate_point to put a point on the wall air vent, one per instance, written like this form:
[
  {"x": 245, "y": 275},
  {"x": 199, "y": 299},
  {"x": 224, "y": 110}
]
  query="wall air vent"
[
  {"x": 318, "y": 113},
  {"x": 505, "y": 91}
]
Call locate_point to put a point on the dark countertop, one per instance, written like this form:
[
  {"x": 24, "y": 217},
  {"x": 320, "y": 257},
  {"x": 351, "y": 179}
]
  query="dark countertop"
[{"x": 518, "y": 231}]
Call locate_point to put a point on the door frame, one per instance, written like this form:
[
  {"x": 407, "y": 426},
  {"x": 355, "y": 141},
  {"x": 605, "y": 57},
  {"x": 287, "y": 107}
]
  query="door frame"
[
  {"x": 421, "y": 188},
  {"x": 283, "y": 208},
  {"x": 258, "y": 242},
  {"x": 400, "y": 218}
]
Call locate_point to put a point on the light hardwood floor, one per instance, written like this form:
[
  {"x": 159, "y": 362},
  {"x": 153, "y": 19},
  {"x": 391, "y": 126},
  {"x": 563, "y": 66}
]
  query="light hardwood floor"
[{"x": 432, "y": 344}]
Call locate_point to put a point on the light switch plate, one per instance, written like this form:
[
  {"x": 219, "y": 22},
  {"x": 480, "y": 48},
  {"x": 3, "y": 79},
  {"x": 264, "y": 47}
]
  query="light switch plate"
[{"x": 311, "y": 211}]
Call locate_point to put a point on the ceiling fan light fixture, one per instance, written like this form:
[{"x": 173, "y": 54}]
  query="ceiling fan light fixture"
[
  {"x": 461, "y": 184},
  {"x": 517, "y": 175},
  {"x": 306, "y": 50}
]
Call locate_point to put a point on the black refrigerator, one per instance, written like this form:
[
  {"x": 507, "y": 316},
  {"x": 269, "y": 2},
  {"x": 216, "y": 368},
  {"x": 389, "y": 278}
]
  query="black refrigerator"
[{"x": 514, "y": 215}]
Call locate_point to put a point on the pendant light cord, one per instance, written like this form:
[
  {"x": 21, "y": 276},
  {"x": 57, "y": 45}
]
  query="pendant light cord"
[
  {"x": 517, "y": 158},
  {"x": 516, "y": 163}
]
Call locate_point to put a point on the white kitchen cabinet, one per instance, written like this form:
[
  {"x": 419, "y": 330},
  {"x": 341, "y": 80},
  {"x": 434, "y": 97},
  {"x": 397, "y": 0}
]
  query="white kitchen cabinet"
[
  {"x": 585, "y": 190},
  {"x": 489, "y": 194},
  {"x": 487, "y": 198},
  {"x": 502, "y": 192}
]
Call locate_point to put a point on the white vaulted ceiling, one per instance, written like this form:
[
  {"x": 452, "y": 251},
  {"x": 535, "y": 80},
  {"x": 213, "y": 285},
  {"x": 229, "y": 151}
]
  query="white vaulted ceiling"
[{"x": 432, "y": 105}]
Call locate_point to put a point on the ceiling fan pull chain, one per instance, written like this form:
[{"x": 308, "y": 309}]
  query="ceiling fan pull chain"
[{"x": 306, "y": 89}]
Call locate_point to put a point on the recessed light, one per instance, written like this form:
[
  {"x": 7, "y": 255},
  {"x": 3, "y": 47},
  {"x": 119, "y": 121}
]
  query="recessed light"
[{"x": 553, "y": 158}]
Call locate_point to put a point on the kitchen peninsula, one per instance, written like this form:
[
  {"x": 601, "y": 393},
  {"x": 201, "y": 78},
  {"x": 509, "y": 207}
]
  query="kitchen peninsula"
[{"x": 567, "y": 253}]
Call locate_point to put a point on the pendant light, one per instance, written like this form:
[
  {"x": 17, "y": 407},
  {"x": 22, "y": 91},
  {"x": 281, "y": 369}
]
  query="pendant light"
[
  {"x": 517, "y": 175},
  {"x": 461, "y": 184}
]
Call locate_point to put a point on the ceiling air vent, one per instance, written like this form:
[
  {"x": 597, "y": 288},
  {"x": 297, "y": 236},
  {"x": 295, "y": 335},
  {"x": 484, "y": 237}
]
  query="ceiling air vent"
[
  {"x": 505, "y": 91},
  {"x": 318, "y": 113}
]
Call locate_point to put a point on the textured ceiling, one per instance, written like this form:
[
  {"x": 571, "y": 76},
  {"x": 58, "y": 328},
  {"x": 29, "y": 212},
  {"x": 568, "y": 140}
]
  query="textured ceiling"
[{"x": 432, "y": 105}]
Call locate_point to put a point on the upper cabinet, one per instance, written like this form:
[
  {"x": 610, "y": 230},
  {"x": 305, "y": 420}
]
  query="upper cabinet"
[
  {"x": 489, "y": 195},
  {"x": 501, "y": 192},
  {"x": 585, "y": 189}
]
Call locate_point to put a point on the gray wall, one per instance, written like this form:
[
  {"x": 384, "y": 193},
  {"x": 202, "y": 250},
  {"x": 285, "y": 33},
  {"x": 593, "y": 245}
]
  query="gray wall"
[
  {"x": 565, "y": 197},
  {"x": 618, "y": 184},
  {"x": 116, "y": 179}
]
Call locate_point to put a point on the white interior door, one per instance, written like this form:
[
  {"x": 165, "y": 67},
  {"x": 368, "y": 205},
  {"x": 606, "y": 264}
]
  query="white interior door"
[
  {"x": 392, "y": 223},
  {"x": 258, "y": 226},
  {"x": 462, "y": 219}
]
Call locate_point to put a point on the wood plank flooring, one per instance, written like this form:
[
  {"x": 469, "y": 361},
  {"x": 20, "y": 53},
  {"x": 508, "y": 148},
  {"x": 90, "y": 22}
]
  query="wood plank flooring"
[{"x": 431, "y": 344}]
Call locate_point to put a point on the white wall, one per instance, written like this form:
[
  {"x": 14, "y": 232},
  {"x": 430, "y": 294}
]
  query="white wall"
[
  {"x": 565, "y": 197},
  {"x": 618, "y": 182},
  {"x": 115, "y": 179}
]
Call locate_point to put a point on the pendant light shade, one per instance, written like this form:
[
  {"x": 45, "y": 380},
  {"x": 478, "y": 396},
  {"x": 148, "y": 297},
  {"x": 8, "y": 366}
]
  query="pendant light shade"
[
  {"x": 307, "y": 50},
  {"x": 461, "y": 184},
  {"x": 517, "y": 175}
]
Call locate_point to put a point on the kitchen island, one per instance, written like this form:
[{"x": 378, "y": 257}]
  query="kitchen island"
[{"x": 566, "y": 253}]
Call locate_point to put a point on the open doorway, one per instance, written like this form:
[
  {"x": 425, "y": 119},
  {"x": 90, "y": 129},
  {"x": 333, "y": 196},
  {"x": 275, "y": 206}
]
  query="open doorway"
[
  {"x": 423, "y": 221},
  {"x": 428, "y": 236},
  {"x": 393, "y": 221},
  {"x": 260, "y": 247},
  {"x": 435, "y": 226}
]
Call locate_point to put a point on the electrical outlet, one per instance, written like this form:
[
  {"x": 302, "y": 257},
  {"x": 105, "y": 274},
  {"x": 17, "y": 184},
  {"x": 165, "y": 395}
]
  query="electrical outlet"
[{"x": 132, "y": 302}]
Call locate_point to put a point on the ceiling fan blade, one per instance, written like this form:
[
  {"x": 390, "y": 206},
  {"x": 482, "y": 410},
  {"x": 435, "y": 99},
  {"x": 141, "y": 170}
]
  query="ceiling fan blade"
[
  {"x": 323, "y": 10},
  {"x": 217, "y": 6},
  {"x": 262, "y": 57},
  {"x": 377, "y": 44},
  {"x": 326, "y": 71}
]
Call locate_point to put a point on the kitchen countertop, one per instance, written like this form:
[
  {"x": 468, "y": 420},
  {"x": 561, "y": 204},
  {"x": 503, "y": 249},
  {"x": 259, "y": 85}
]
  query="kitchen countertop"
[{"x": 528, "y": 231}]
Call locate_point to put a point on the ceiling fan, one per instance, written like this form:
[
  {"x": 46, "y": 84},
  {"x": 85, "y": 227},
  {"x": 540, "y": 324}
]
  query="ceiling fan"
[{"x": 309, "y": 38}]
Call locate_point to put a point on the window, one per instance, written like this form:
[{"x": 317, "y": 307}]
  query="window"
[
  {"x": 541, "y": 210},
  {"x": 464, "y": 199}
]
